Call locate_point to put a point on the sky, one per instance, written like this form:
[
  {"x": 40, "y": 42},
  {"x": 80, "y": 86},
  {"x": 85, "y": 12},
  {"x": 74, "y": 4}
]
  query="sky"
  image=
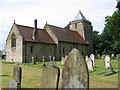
[{"x": 54, "y": 12}]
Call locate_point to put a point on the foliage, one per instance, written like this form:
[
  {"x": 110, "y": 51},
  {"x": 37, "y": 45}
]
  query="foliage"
[{"x": 109, "y": 40}]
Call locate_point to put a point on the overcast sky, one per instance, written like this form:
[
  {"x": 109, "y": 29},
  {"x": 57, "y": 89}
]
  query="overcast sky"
[{"x": 55, "y": 12}]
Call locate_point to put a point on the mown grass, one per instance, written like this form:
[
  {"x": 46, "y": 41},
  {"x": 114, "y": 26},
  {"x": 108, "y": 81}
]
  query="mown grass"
[{"x": 31, "y": 74}]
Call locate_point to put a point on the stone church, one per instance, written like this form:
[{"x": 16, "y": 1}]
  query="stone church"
[{"x": 24, "y": 42}]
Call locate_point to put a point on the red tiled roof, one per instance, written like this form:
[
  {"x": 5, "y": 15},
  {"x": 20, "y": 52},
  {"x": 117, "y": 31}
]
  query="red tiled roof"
[
  {"x": 27, "y": 32},
  {"x": 67, "y": 35}
]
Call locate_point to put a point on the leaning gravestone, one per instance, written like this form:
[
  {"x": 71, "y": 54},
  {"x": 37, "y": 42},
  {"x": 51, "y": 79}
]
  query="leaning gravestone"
[
  {"x": 16, "y": 82},
  {"x": 75, "y": 72},
  {"x": 93, "y": 59},
  {"x": 50, "y": 77}
]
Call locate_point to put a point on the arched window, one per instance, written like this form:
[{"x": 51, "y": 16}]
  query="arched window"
[{"x": 13, "y": 40}]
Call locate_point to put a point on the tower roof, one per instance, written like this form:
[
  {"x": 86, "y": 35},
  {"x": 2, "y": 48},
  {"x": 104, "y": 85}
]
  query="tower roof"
[{"x": 80, "y": 16}]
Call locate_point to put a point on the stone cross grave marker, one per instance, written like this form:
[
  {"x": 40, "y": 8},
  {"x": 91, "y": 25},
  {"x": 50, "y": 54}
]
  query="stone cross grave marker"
[
  {"x": 89, "y": 63},
  {"x": 92, "y": 56},
  {"x": 50, "y": 77},
  {"x": 75, "y": 72},
  {"x": 107, "y": 61},
  {"x": 16, "y": 82}
]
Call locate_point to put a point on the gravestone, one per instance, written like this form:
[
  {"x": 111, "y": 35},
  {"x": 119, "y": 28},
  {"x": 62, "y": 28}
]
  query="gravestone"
[
  {"x": 50, "y": 77},
  {"x": 33, "y": 60},
  {"x": 62, "y": 61},
  {"x": 107, "y": 61},
  {"x": 75, "y": 72},
  {"x": 16, "y": 82},
  {"x": 103, "y": 57},
  {"x": 90, "y": 64},
  {"x": 112, "y": 55},
  {"x": 50, "y": 58},
  {"x": 53, "y": 59},
  {"x": 98, "y": 55},
  {"x": 43, "y": 59},
  {"x": 92, "y": 56}
]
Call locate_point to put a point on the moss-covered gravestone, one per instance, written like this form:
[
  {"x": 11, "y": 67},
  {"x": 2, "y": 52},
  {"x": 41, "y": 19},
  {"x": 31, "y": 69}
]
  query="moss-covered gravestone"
[
  {"x": 75, "y": 71},
  {"x": 16, "y": 82},
  {"x": 50, "y": 77}
]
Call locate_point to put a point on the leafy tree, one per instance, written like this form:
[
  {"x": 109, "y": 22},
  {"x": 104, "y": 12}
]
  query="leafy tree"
[{"x": 112, "y": 27}]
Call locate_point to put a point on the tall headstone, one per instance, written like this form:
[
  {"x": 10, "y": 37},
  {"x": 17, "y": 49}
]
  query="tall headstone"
[
  {"x": 75, "y": 71},
  {"x": 50, "y": 77},
  {"x": 16, "y": 82},
  {"x": 89, "y": 63},
  {"x": 107, "y": 62},
  {"x": 92, "y": 56}
]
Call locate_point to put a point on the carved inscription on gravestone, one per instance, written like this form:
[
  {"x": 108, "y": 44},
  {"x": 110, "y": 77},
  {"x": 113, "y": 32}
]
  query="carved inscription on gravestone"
[
  {"x": 75, "y": 71},
  {"x": 50, "y": 77}
]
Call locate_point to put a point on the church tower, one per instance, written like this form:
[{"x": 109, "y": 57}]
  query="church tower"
[{"x": 84, "y": 28}]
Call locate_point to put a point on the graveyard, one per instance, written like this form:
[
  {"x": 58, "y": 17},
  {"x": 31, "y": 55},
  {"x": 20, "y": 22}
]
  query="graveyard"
[{"x": 31, "y": 74}]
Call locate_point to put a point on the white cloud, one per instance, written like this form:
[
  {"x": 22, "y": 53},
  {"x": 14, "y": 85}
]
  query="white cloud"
[{"x": 55, "y": 12}]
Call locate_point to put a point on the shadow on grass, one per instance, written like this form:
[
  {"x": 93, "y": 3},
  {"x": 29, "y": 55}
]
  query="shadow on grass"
[
  {"x": 92, "y": 71},
  {"x": 4, "y": 75}
]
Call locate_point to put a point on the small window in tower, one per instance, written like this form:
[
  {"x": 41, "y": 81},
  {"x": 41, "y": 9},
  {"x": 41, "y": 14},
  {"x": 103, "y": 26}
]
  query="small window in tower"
[{"x": 75, "y": 25}]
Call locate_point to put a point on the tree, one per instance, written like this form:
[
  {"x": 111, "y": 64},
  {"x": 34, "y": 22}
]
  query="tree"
[{"x": 112, "y": 27}]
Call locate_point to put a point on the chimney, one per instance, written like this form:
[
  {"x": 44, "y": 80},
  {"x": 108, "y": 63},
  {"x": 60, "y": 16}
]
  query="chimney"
[
  {"x": 35, "y": 32},
  {"x": 35, "y": 24}
]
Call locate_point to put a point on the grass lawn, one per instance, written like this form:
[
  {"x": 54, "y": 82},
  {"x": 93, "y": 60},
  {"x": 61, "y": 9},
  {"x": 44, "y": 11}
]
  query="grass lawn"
[{"x": 31, "y": 74}]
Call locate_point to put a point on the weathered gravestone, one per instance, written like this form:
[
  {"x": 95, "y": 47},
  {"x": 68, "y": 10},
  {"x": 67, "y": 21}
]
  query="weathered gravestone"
[
  {"x": 92, "y": 56},
  {"x": 89, "y": 63},
  {"x": 50, "y": 77},
  {"x": 16, "y": 82},
  {"x": 62, "y": 61},
  {"x": 107, "y": 61},
  {"x": 75, "y": 72}
]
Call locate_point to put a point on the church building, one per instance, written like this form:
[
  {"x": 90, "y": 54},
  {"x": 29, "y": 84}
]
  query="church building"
[{"x": 24, "y": 42}]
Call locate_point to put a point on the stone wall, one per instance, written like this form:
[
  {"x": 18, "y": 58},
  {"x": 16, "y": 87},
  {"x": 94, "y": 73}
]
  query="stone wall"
[
  {"x": 67, "y": 47},
  {"x": 14, "y": 53},
  {"x": 38, "y": 50}
]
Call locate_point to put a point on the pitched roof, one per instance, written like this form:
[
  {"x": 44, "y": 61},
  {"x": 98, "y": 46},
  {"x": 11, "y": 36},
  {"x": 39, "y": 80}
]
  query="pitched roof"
[
  {"x": 80, "y": 16},
  {"x": 67, "y": 35},
  {"x": 27, "y": 32}
]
